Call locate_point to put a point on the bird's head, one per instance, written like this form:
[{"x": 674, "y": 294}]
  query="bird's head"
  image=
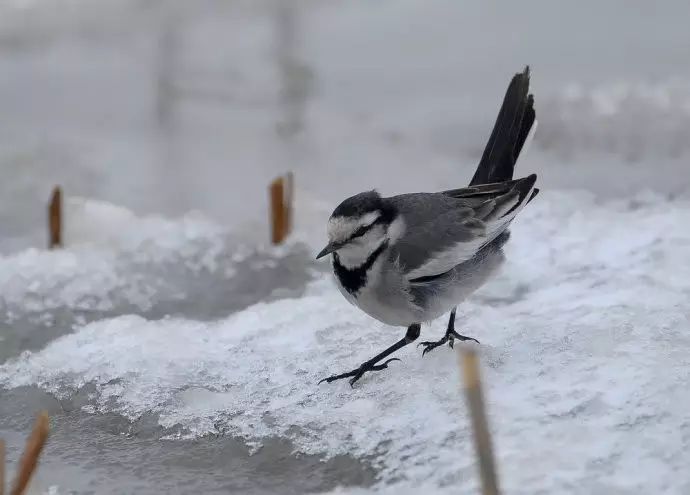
[{"x": 359, "y": 225}]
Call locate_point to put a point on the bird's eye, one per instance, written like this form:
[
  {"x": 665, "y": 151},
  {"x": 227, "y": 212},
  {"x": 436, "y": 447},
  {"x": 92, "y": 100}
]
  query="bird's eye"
[{"x": 360, "y": 231}]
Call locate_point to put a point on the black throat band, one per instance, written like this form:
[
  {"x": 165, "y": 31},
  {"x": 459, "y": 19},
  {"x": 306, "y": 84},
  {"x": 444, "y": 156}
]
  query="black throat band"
[{"x": 356, "y": 278}]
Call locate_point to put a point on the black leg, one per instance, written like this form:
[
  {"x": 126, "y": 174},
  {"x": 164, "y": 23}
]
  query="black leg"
[
  {"x": 411, "y": 335},
  {"x": 449, "y": 337}
]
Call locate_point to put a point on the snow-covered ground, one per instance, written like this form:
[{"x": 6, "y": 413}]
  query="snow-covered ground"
[
  {"x": 584, "y": 345},
  {"x": 177, "y": 352}
]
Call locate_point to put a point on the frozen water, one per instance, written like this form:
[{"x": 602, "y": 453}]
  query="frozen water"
[
  {"x": 159, "y": 323},
  {"x": 117, "y": 262},
  {"x": 584, "y": 350}
]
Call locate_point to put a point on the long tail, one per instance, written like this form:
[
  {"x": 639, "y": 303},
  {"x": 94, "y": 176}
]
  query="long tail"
[{"x": 513, "y": 125}]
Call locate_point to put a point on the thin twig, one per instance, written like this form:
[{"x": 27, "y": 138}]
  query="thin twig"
[
  {"x": 281, "y": 193},
  {"x": 482, "y": 437},
  {"x": 2, "y": 467},
  {"x": 29, "y": 460},
  {"x": 289, "y": 200},
  {"x": 278, "y": 217},
  {"x": 55, "y": 219}
]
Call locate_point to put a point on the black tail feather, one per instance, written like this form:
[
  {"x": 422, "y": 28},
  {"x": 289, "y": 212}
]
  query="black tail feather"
[
  {"x": 514, "y": 121},
  {"x": 527, "y": 122},
  {"x": 523, "y": 187}
]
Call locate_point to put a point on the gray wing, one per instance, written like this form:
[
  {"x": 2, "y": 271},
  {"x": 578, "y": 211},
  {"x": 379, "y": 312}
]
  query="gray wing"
[{"x": 443, "y": 230}]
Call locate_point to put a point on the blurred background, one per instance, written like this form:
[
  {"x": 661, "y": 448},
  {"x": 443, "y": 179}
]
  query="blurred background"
[
  {"x": 160, "y": 339},
  {"x": 172, "y": 106}
]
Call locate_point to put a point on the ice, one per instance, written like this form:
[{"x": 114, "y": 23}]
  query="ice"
[
  {"x": 104, "y": 242},
  {"x": 584, "y": 335},
  {"x": 584, "y": 353},
  {"x": 114, "y": 258}
]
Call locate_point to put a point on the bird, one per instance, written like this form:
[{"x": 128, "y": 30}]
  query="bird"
[{"x": 408, "y": 259}]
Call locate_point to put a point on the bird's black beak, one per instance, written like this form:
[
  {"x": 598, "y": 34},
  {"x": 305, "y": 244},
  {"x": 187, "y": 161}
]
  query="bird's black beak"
[{"x": 327, "y": 250}]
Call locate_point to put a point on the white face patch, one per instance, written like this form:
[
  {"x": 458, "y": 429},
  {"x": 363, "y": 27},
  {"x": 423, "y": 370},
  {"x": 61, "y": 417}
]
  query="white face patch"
[
  {"x": 356, "y": 252},
  {"x": 396, "y": 229},
  {"x": 341, "y": 228}
]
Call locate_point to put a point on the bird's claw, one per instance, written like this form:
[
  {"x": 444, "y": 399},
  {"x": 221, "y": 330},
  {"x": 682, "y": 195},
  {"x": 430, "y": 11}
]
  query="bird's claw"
[
  {"x": 381, "y": 366},
  {"x": 450, "y": 337},
  {"x": 430, "y": 346},
  {"x": 455, "y": 335},
  {"x": 359, "y": 372}
]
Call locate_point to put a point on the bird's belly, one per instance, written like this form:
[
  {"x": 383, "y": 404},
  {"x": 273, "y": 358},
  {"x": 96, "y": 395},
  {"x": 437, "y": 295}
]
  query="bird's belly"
[
  {"x": 441, "y": 296},
  {"x": 387, "y": 306},
  {"x": 388, "y": 298},
  {"x": 388, "y": 310}
]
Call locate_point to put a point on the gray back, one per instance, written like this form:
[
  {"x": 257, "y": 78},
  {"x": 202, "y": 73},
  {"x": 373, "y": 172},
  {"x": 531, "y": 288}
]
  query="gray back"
[{"x": 434, "y": 223}]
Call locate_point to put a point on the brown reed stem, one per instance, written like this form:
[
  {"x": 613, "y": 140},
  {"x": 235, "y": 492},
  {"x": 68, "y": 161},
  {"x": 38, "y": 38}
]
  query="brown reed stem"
[
  {"x": 32, "y": 451},
  {"x": 482, "y": 437},
  {"x": 281, "y": 192},
  {"x": 288, "y": 201},
  {"x": 2, "y": 467},
  {"x": 277, "y": 211},
  {"x": 55, "y": 219}
]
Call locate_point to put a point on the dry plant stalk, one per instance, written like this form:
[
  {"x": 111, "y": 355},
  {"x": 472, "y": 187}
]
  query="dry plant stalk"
[
  {"x": 480, "y": 428},
  {"x": 281, "y": 194},
  {"x": 55, "y": 219},
  {"x": 277, "y": 211},
  {"x": 29, "y": 460},
  {"x": 2, "y": 467},
  {"x": 289, "y": 198}
]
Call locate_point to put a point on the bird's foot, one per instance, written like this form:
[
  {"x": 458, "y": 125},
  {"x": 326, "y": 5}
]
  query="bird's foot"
[
  {"x": 452, "y": 335},
  {"x": 449, "y": 337},
  {"x": 356, "y": 374},
  {"x": 430, "y": 346}
]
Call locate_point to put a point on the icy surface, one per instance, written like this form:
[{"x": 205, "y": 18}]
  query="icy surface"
[
  {"x": 584, "y": 350},
  {"x": 583, "y": 336},
  {"x": 97, "y": 268},
  {"x": 115, "y": 257}
]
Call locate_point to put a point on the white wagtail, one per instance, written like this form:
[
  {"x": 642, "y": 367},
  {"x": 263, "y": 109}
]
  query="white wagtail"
[{"x": 410, "y": 258}]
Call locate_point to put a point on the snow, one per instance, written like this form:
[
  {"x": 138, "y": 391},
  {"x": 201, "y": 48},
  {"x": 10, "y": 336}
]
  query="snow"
[
  {"x": 584, "y": 334},
  {"x": 115, "y": 257},
  {"x": 584, "y": 353}
]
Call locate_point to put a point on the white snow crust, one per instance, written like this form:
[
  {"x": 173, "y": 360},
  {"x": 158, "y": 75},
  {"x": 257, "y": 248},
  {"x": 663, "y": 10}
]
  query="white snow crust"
[{"x": 584, "y": 352}]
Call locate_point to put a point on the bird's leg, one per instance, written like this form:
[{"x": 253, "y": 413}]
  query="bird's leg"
[
  {"x": 451, "y": 334},
  {"x": 449, "y": 337},
  {"x": 370, "y": 365}
]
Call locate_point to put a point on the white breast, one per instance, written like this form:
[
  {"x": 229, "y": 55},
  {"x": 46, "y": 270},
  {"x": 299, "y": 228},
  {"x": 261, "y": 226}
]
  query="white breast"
[{"x": 383, "y": 296}]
